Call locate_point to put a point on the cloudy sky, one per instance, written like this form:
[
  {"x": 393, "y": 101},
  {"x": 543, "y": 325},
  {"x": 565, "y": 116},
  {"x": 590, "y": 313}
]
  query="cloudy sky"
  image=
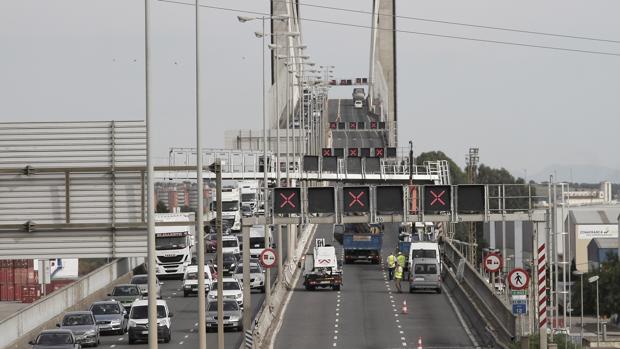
[{"x": 525, "y": 108}]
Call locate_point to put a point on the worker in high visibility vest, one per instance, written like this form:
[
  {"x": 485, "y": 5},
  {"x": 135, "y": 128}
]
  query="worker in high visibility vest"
[
  {"x": 402, "y": 261},
  {"x": 391, "y": 262},
  {"x": 398, "y": 276}
]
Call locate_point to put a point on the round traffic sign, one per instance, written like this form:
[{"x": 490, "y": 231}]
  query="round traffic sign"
[
  {"x": 518, "y": 279},
  {"x": 493, "y": 262},
  {"x": 267, "y": 258}
]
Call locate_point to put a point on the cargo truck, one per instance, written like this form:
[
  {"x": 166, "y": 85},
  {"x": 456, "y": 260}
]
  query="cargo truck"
[
  {"x": 321, "y": 268},
  {"x": 174, "y": 243},
  {"x": 362, "y": 242}
]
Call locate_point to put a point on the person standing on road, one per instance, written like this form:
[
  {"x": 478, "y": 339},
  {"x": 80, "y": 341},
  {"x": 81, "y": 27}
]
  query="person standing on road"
[
  {"x": 402, "y": 260},
  {"x": 391, "y": 262},
  {"x": 398, "y": 276}
]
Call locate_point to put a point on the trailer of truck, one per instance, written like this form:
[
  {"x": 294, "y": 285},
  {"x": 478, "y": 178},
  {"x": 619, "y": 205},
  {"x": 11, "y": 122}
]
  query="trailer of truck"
[{"x": 362, "y": 242}]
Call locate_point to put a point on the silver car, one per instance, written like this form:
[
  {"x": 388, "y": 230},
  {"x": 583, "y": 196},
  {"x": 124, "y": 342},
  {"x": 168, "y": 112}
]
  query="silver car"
[
  {"x": 83, "y": 326},
  {"x": 142, "y": 281},
  {"x": 425, "y": 275},
  {"x": 233, "y": 315},
  {"x": 110, "y": 316}
]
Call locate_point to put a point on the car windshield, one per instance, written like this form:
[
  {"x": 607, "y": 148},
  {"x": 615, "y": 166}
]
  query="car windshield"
[
  {"x": 254, "y": 269},
  {"x": 126, "y": 291},
  {"x": 170, "y": 243},
  {"x": 424, "y": 254},
  {"x": 230, "y": 243},
  {"x": 247, "y": 197},
  {"x": 229, "y": 257},
  {"x": 211, "y": 237},
  {"x": 228, "y": 306},
  {"x": 257, "y": 242},
  {"x": 194, "y": 275},
  {"x": 105, "y": 309},
  {"x": 141, "y": 312},
  {"x": 425, "y": 269},
  {"x": 227, "y": 206},
  {"x": 77, "y": 320},
  {"x": 54, "y": 339},
  {"x": 246, "y": 209},
  {"x": 228, "y": 286},
  {"x": 140, "y": 280}
]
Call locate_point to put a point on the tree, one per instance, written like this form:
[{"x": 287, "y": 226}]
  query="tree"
[
  {"x": 161, "y": 207},
  {"x": 609, "y": 290},
  {"x": 457, "y": 175}
]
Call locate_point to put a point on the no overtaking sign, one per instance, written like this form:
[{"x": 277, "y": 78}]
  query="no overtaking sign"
[{"x": 267, "y": 258}]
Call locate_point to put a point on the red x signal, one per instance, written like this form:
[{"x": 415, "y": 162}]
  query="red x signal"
[
  {"x": 353, "y": 152},
  {"x": 353, "y": 125},
  {"x": 379, "y": 152},
  {"x": 287, "y": 200},
  {"x": 327, "y": 152},
  {"x": 333, "y": 125},
  {"x": 437, "y": 198},
  {"x": 355, "y": 199},
  {"x": 373, "y": 124}
]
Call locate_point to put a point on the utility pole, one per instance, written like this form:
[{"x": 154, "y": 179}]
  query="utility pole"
[{"x": 472, "y": 160}]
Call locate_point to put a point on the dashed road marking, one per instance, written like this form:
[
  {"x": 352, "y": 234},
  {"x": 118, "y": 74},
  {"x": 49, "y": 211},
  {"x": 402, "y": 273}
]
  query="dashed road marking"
[
  {"x": 404, "y": 344},
  {"x": 113, "y": 346},
  {"x": 187, "y": 335},
  {"x": 334, "y": 344},
  {"x": 181, "y": 342},
  {"x": 120, "y": 339},
  {"x": 196, "y": 324}
]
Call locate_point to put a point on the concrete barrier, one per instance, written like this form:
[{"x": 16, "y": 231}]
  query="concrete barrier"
[
  {"x": 497, "y": 316},
  {"x": 24, "y": 325}
]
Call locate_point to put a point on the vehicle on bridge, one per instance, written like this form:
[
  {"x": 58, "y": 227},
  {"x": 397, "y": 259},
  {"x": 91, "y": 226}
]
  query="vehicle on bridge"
[
  {"x": 321, "y": 268},
  {"x": 56, "y": 339},
  {"x": 362, "y": 241},
  {"x": 257, "y": 276},
  {"x": 126, "y": 294},
  {"x": 110, "y": 316},
  {"x": 358, "y": 104},
  {"x": 83, "y": 326},
  {"x": 250, "y": 194},
  {"x": 424, "y": 249},
  {"x": 232, "y": 290},
  {"x": 233, "y": 315},
  {"x": 358, "y": 94},
  {"x": 138, "y": 323},
  {"x": 230, "y": 244},
  {"x": 190, "y": 280},
  {"x": 174, "y": 244},
  {"x": 257, "y": 240},
  {"x": 425, "y": 275},
  {"x": 142, "y": 281},
  {"x": 231, "y": 208}
]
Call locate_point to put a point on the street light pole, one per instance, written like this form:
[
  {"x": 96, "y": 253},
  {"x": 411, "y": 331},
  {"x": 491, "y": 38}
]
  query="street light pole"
[
  {"x": 580, "y": 273},
  {"x": 593, "y": 279}
]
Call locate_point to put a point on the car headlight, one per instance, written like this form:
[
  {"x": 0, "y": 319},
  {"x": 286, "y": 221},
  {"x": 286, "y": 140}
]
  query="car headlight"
[
  {"x": 90, "y": 333},
  {"x": 239, "y": 296},
  {"x": 212, "y": 296},
  {"x": 232, "y": 265},
  {"x": 210, "y": 318},
  {"x": 131, "y": 323},
  {"x": 187, "y": 286},
  {"x": 234, "y": 318},
  {"x": 115, "y": 322}
]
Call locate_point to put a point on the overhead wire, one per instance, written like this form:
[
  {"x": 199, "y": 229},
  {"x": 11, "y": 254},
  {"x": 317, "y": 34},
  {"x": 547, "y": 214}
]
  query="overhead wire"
[{"x": 499, "y": 42}]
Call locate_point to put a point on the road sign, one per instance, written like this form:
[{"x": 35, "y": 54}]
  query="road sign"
[
  {"x": 389, "y": 199},
  {"x": 493, "y": 262},
  {"x": 333, "y": 125},
  {"x": 341, "y": 125},
  {"x": 326, "y": 152},
  {"x": 470, "y": 198},
  {"x": 518, "y": 279},
  {"x": 267, "y": 258},
  {"x": 287, "y": 200},
  {"x": 310, "y": 163},
  {"x": 437, "y": 198},
  {"x": 339, "y": 152},
  {"x": 379, "y": 152},
  {"x": 353, "y": 152},
  {"x": 361, "y": 125},
  {"x": 374, "y": 125},
  {"x": 391, "y": 152},
  {"x": 356, "y": 199},
  {"x": 365, "y": 152},
  {"x": 321, "y": 200},
  {"x": 519, "y": 292},
  {"x": 353, "y": 125},
  {"x": 519, "y": 308}
]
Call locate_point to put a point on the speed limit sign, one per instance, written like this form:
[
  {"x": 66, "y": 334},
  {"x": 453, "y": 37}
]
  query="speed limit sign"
[{"x": 267, "y": 258}]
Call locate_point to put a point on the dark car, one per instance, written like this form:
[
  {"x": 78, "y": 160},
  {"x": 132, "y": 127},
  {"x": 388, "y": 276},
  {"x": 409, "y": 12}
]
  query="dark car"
[
  {"x": 57, "y": 339},
  {"x": 247, "y": 211},
  {"x": 110, "y": 316},
  {"x": 230, "y": 263},
  {"x": 83, "y": 326}
]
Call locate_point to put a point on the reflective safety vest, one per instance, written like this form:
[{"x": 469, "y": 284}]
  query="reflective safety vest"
[
  {"x": 401, "y": 260},
  {"x": 398, "y": 272},
  {"x": 391, "y": 261}
]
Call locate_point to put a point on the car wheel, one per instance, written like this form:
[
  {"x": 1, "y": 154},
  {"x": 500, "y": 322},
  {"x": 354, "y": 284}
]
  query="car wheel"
[
  {"x": 168, "y": 338},
  {"x": 439, "y": 290},
  {"x": 184, "y": 294},
  {"x": 337, "y": 288},
  {"x": 131, "y": 340},
  {"x": 240, "y": 328},
  {"x": 262, "y": 289}
]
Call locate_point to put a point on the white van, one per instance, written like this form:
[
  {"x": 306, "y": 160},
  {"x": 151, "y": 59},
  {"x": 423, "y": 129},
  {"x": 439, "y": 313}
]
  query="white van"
[
  {"x": 257, "y": 240},
  {"x": 190, "y": 280},
  {"x": 230, "y": 244},
  {"x": 424, "y": 249},
  {"x": 138, "y": 322}
]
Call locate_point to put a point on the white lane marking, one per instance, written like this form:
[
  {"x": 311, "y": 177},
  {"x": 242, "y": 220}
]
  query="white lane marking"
[
  {"x": 191, "y": 330},
  {"x": 397, "y": 319},
  {"x": 336, "y": 320},
  {"x": 404, "y": 344},
  {"x": 335, "y": 331},
  {"x": 399, "y": 326},
  {"x": 334, "y": 344},
  {"x": 402, "y": 339},
  {"x": 401, "y": 332},
  {"x": 396, "y": 315},
  {"x": 337, "y": 314},
  {"x": 335, "y": 337},
  {"x": 181, "y": 342},
  {"x": 187, "y": 335},
  {"x": 174, "y": 293},
  {"x": 113, "y": 346},
  {"x": 120, "y": 339}
]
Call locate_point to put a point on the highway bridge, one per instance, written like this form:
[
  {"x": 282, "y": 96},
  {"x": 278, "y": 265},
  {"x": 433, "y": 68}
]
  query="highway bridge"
[{"x": 97, "y": 182}]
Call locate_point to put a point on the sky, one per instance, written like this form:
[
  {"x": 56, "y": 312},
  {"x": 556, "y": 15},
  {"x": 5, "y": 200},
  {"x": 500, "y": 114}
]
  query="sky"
[{"x": 525, "y": 108}]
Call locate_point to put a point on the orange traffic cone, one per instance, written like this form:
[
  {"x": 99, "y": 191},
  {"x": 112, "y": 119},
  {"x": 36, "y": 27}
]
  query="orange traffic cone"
[
  {"x": 405, "y": 310},
  {"x": 419, "y": 346}
]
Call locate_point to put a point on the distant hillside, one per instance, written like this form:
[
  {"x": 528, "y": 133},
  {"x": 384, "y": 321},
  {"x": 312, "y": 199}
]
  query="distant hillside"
[{"x": 578, "y": 174}]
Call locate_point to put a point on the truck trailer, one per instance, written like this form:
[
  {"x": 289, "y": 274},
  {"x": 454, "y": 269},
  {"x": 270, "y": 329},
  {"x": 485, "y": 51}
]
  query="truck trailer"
[
  {"x": 321, "y": 268},
  {"x": 362, "y": 242}
]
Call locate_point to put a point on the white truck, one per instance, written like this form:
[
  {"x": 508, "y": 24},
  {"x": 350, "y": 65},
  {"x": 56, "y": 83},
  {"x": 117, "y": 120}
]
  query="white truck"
[
  {"x": 231, "y": 208},
  {"x": 174, "y": 244},
  {"x": 249, "y": 194},
  {"x": 321, "y": 268},
  {"x": 257, "y": 240}
]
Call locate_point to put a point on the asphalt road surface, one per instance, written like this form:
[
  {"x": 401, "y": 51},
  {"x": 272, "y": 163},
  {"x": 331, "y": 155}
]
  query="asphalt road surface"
[
  {"x": 366, "y": 313},
  {"x": 342, "y": 110}
]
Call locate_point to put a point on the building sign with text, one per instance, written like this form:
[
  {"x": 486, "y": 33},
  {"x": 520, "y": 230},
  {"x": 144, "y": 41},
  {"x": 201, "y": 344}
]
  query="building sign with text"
[{"x": 598, "y": 231}]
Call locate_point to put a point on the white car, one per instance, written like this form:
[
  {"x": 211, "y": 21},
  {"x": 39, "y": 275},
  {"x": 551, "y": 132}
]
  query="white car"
[
  {"x": 230, "y": 244},
  {"x": 257, "y": 278},
  {"x": 138, "y": 323},
  {"x": 232, "y": 290},
  {"x": 358, "y": 104},
  {"x": 190, "y": 280}
]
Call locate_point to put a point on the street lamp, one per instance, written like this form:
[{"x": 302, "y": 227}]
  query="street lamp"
[
  {"x": 593, "y": 279},
  {"x": 580, "y": 274}
]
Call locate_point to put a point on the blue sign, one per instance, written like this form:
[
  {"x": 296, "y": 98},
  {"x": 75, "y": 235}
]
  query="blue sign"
[{"x": 519, "y": 308}]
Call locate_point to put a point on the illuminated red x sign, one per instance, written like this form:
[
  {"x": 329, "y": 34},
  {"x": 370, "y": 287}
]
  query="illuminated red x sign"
[
  {"x": 353, "y": 152},
  {"x": 333, "y": 125},
  {"x": 355, "y": 199},
  {"x": 327, "y": 152},
  {"x": 379, "y": 152},
  {"x": 353, "y": 125},
  {"x": 286, "y": 200},
  {"x": 437, "y": 198},
  {"x": 373, "y": 124}
]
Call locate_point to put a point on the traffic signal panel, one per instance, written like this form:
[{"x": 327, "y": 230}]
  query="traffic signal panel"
[
  {"x": 286, "y": 201},
  {"x": 470, "y": 198},
  {"x": 321, "y": 200},
  {"x": 437, "y": 198},
  {"x": 389, "y": 199},
  {"x": 356, "y": 199}
]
